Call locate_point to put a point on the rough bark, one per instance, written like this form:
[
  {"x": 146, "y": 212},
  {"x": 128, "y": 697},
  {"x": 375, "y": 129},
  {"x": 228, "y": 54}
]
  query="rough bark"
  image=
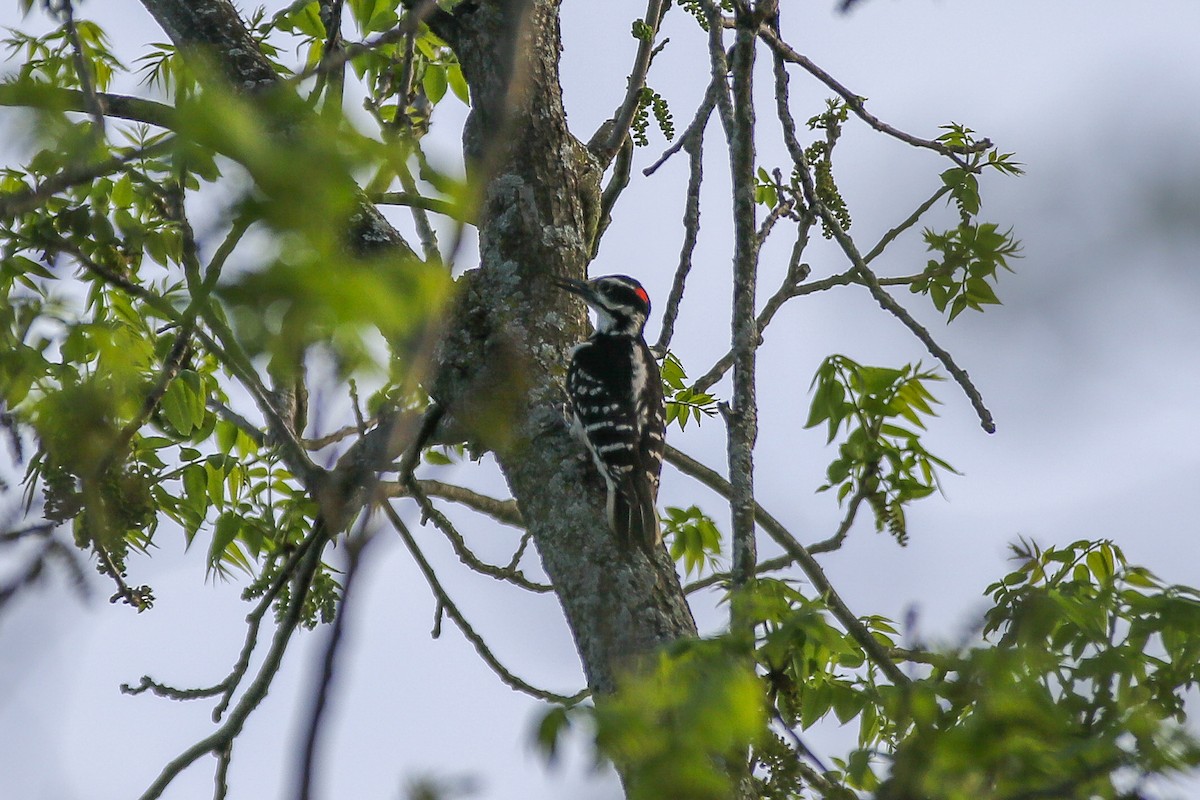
[
  {"x": 503, "y": 357},
  {"x": 537, "y": 220}
]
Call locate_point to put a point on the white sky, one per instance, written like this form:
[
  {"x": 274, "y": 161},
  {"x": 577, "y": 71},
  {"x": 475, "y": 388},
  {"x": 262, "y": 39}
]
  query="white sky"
[{"x": 1090, "y": 369}]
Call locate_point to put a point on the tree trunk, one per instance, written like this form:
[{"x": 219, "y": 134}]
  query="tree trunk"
[{"x": 537, "y": 220}]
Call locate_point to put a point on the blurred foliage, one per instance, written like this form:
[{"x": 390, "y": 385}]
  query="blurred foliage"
[
  {"x": 123, "y": 334},
  {"x": 1076, "y": 691}
]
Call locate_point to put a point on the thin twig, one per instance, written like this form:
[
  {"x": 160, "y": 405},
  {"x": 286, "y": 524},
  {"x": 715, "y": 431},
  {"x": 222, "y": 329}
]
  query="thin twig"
[
  {"x": 844, "y": 240},
  {"x": 803, "y": 558},
  {"x": 913, "y": 219},
  {"x": 425, "y": 232},
  {"x": 417, "y": 200},
  {"x": 355, "y": 546},
  {"x": 87, "y": 81},
  {"x": 691, "y": 233},
  {"x": 839, "y": 536},
  {"x": 761, "y": 568},
  {"x": 792, "y": 287},
  {"x": 854, "y": 102},
  {"x": 24, "y": 200},
  {"x": 622, "y": 167},
  {"x": 505, "y": 511},
  {"x": 220, "y": 739},
  {"x": 786, "y": 291},
  {"x": 468, "y": 632},
  {"x": 472, "y": 561},
  {"x": 221, "y": 775},
  {"x": 341, "y": 434},
  {"x": 226, "y": 687},
  {"x": 695, "y": 129}
]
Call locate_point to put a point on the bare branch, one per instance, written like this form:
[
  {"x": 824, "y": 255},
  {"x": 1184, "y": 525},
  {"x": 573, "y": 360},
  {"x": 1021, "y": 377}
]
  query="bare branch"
[
  {"x": 451, "y": 610},
  {"x": 913, "y": 219},
  {"x": 219, "y": 740},
  {"x": 742, "y": 417},
  {"x": 839, "y": 536},
  {"x": 694, "y": 130},
  {"x": 786, "y": 291},
  {"x": 505, "y": 511},
  {"x": 851, "y": 250},
  {"x": 691, "y": 232},
  {"x": 854, "y": 102},
  {"x": 95, "y": 106},
  {"x": 761, "y": 568},
  {"x": 622, "y": 166},
  {"x": 442, "y": 523}
]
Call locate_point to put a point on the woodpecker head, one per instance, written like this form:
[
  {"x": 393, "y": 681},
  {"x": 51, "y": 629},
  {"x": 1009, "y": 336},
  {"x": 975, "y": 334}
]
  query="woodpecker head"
[{"x": 620, "y": 302}]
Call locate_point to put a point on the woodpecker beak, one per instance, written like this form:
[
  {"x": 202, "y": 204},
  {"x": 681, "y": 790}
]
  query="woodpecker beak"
[{"x": 574, "y": 287}]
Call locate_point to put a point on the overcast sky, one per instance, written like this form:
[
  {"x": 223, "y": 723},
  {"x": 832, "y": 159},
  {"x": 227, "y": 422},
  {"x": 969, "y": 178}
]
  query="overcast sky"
[{"x": 1089, "y": 367}]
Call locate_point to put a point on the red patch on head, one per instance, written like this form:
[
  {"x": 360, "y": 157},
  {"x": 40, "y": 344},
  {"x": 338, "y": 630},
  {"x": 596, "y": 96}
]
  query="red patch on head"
[{"x": 642, "y": 294}]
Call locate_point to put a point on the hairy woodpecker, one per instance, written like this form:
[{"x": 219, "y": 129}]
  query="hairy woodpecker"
[{"x": 617, "y": 404}]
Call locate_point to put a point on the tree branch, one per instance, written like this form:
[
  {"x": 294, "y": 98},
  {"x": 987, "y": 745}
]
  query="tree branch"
[
  {"x": 505, "y": 511},
  {"x": 415, "y": 200},
  {"x": 53, "y": 98},
  {"x": 803, "y": 558},
  {"x": 691, "y": 233},
  {"x": 695, "y": 128},
  {"x": 440, "y": 521},
  {"x": 854, "y": 102},
  {"x": 219, "y": 740},
  {"x": 618, "y": 126},
  {"x": 448, "y": 606},
  {"x": 851, "y": 250},
  {"x": 742, "y": 418}
]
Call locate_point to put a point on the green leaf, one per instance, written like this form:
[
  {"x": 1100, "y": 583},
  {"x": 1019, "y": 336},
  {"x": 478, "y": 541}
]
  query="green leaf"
[
  {"x": 434, "y": 82},
  {"x": 224, "y": 532},
  {"x": 458, "y": 83},
  {"x": 551, "y": 728},
  {"x": 177, "y": 406}
]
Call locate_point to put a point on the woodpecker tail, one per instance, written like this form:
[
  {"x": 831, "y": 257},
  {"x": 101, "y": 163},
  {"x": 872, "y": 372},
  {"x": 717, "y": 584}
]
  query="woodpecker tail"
[{"x": 632, "y": 514}]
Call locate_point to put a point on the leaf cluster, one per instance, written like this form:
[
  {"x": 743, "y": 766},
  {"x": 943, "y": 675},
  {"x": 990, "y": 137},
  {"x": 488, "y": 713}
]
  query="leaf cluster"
[
  {"x": 970, "y": 254},
  {"x": 651, "y": 102},
  {"x": 684, "y": 402},
  {"x": 1081, "y": 697},
  {"x": 819, "y": 155},
  {"x": 694, "y": 538},
  {"x": 881, "y": 458},
  {"x": 49, "y": 59},
  {"x": 119, "y": 344}
]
